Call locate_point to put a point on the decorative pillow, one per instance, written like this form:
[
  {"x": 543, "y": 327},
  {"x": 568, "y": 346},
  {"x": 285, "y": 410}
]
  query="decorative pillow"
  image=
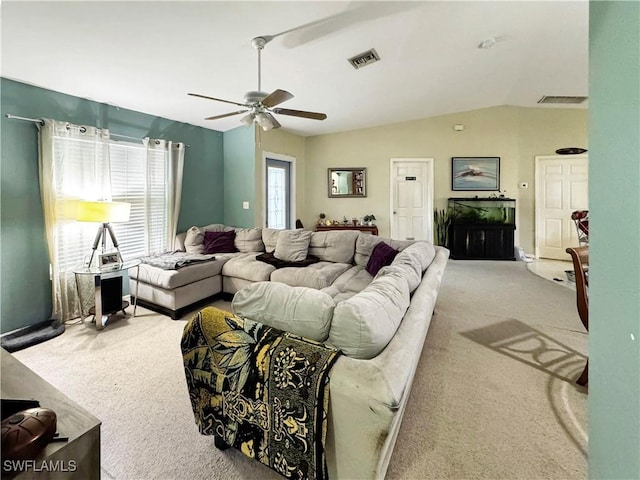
[
  {"x": 381, "y": 256},
  {"x": 271, "y": 259},
  {"x": 270, "y": 238},
  {"x": 219, "y": 242},
  {"x": 299, "y": 310},
  {"x": 249, "y": 240},
  {"x": 194, "y": 240},
  {"x": 292, "y": 245},
  {"x": 365, "y": 323}
]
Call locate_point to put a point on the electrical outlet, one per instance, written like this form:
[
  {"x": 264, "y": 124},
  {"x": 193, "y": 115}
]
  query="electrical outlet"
[
  {"x": 524, "y": 185},
  {"x": 245, "y": 205}
]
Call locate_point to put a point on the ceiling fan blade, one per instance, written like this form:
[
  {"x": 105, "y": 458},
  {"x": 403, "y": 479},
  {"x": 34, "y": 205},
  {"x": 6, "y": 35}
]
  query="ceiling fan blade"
[
  {"x": 300, "y": 113},
  {"x": 276, "y": 98},
  {"x": 216, "y": 99},
  {"x": 215, "y": 117},
  {"x": 273, "y": 120}
]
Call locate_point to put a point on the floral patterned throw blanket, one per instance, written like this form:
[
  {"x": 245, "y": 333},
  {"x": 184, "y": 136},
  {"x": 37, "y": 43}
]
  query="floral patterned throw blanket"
[{"x": 260, "y": 390}]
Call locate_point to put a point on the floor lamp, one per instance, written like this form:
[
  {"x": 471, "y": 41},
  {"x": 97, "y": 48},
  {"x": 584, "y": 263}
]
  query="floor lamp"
[{"x": 104, "y": 213}]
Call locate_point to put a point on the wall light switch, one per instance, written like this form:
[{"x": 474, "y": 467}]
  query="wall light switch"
[
  {"x": 245, "y": 205},
  {"x": 524, "y": 185}
]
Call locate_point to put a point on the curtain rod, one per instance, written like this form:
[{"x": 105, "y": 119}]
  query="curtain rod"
[{"x": 41, "y": 122}]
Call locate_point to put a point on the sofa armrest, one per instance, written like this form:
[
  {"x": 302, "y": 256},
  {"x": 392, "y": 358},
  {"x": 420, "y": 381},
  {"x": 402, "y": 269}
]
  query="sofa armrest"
[{"x": 368, "y": 397}]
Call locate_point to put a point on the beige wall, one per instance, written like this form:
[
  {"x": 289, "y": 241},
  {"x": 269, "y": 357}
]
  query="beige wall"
[
  {"x": 283, "y": 143},
  {"x": 515, "y": 134}
]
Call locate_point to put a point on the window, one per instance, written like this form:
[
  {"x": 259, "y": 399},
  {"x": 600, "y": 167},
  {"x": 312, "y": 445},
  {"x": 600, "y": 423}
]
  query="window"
[
  {"x": 278, "y": 193},
  {"x": 145, "y": 232}
]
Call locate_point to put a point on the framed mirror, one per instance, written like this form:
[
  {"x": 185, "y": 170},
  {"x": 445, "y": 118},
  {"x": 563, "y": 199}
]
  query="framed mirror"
[{"x": 347, "y": 182}]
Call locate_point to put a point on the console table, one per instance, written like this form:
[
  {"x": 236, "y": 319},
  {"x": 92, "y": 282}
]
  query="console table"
[
  {"x": 77, "y": 458},
  {"x": 108, "y": 290},
  {"x": 372, "y": 229}
]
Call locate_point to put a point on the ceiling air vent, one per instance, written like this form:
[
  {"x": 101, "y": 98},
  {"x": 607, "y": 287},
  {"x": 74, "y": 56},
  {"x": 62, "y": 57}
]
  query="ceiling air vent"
[
  {"x": 363, "y": 59},
  {"x": 561, "y": 99}
]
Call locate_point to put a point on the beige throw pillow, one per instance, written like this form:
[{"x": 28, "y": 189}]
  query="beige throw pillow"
[
  {"x": 299, "y": 310},
  {"x": 292, "y": 245},
  {"x": 249, "y": 240},
  {"x": 194, "y": 240}
]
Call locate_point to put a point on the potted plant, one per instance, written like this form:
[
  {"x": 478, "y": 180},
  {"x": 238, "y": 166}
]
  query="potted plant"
[
  {"x": 322, "y": 217},
  {"x": 368, "y": 219},
  {"x": 442, "y": 221}
]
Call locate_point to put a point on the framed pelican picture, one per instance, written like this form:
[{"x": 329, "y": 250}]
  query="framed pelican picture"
[{"x": 475, "y": 173}]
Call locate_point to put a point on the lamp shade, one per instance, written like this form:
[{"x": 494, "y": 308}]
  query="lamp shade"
[{"x": 103, "y": 212}]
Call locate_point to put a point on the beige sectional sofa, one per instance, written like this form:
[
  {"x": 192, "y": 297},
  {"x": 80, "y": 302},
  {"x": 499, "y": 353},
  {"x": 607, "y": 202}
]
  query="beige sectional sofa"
[{"x": 378, "y": 322}]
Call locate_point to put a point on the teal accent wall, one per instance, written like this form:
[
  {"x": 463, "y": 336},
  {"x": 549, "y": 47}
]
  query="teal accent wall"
[
  {"x": 614, "y": 186},
  {"x": 239, "y": 176},
  {"x": 25, "y": 289}
]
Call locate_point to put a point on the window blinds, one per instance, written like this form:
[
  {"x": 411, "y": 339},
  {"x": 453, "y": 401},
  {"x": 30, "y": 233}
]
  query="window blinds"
[{"x": 138, "y": 177}]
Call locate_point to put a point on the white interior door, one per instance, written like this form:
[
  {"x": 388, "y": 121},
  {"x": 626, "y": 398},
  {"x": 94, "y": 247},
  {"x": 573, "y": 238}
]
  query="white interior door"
[
  {"x": 412, "y": 198},
  {"x": 562, "y": 187}
]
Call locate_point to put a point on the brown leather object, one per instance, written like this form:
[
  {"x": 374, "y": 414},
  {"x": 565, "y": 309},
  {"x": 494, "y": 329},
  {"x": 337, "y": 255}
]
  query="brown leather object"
[{"x": 27, "y": 432}]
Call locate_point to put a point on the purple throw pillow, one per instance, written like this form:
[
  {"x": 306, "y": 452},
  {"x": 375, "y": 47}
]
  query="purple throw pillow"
[
  {"x": 381, "y": 256},
  {"x": 220, "y": 242}
]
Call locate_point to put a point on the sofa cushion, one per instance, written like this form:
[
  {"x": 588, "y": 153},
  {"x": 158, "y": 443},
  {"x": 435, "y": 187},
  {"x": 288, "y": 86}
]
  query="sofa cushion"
[
  {"x": 194, "y": 240},
  {"x": 249, "y": 240},
  {"x": 334, "y": 246},
  {"x": 245, "y": 266},
  {"x": 170, "y": 279},
  {"x": 318, "y": 276},
  {"x": 271, "y": 259},
  {"x": 270, "y": 238},
  {"x": 352, "y": 281},
  {"x": 412, "y": 262},
  {"x": 220, "y": 242},
  {"x": 292, "y": 245},
  {"x": 336, "y": 295},
  {"x": 365, "y": 323},
  {"x": 299, "y": 310},
  {"x": 381, "y": 256},
  {"x": 366, "y": 243}
]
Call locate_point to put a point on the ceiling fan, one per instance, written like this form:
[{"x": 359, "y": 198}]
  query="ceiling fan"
[{"x": 260, "y": 104}]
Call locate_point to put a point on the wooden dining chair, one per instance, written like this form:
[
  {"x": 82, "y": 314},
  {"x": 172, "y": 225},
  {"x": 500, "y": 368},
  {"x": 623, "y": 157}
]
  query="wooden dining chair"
[{"x": 580, "y": 257}]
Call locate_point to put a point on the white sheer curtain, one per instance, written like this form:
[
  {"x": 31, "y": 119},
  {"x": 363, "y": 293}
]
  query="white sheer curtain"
[
  {"x": 73, "y": 164},
  {"x": 171, "y": 186}
]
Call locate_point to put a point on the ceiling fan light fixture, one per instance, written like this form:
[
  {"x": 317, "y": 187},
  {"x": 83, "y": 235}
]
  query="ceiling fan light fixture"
[
  {"x": 259, "y": 103},
  {"x": 247, "y": 120},
  {"x": 264, "y": 121}
]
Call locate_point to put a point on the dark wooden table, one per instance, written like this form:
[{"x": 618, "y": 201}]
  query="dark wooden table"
[{"x": 373, "y": 230}]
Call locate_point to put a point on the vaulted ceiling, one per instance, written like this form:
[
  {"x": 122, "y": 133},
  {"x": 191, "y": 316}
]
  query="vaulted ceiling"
[{"x": 146, "y": 56}]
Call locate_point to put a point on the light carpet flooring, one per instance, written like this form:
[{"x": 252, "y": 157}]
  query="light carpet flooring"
[{"x": 493, "y": 398}]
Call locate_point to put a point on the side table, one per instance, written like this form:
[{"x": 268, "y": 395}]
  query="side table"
[
  {"x": 102, "y": 309},
  {"x": 76, "y": 459}
]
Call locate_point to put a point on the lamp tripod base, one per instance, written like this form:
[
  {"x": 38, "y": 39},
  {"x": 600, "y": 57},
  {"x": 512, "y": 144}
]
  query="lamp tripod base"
[{"x": 101, "y": 237}]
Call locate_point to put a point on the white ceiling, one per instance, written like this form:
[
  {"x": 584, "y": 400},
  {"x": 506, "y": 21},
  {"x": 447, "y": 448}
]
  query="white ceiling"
[{"x": 146, "y": 56}]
